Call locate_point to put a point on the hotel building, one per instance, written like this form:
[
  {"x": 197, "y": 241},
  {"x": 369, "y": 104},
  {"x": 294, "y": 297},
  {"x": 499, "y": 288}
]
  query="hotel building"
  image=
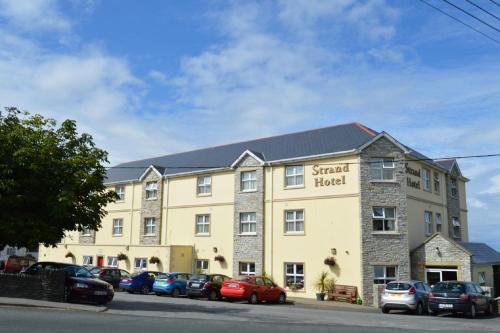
[{"x": 377, "y": 209}]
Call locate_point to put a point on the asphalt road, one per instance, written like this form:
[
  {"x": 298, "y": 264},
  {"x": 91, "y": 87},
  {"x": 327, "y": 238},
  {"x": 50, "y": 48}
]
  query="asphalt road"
[{"x": 139, "y": 313}]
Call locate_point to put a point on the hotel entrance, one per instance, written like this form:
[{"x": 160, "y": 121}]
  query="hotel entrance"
[{"x": 434, "y": 275}]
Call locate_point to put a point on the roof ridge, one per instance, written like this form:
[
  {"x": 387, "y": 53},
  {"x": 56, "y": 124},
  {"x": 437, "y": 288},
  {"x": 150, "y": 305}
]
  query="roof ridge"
[{"x": 357, "y": 124}]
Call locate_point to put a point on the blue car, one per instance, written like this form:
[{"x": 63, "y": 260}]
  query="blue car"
[
  {"x": 139, "y": 282},
  {"x": 173, "y": 284}
]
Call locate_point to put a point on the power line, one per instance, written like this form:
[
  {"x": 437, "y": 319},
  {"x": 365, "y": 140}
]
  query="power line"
[
  {"x": 472, "y": 15},
  {"x": 459, "y": 20},
  {"x": 331, "y": 163},
  {"x": 496, "y": 3},
  {"x": 484, "y": 10}
]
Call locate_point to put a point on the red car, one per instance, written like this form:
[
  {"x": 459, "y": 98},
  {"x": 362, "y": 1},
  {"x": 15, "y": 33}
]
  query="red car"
[
  {"x": 254, "y": 289},
  {"x": 14, "y": 264}
]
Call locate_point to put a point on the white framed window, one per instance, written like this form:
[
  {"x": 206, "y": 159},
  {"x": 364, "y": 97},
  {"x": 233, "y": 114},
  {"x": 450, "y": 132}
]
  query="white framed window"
[
  {"x": 294, "y": 176},
  {"x": 456, "y": 227},
  {"x": 482, "y": 278},
  {"x": 428, "y": 223},
  {"x": 248, "y": 223},
  {"x": 202, "y": 224},
  {"x": 454, "y": 187},
  {"x": 426, "y": 179},
  {"x": 204, "y": 185},
  {"x": 248, "y": 181},
  {"x": 382, "y": 169},
  {"x": 294, "y": 221},
  {"x": 151, "y": 190},
  {"x": 88, "y": 260},
  {"x": 247, "y": 268},
  {"x": 117, "y": 227},
  {"x": 439, "y": 222},
  {"x": 384, "y": 218},
  {"x": 141, "y": 263},
  {"x": 86, "y": 232},
  {"x": 112, "y": 261},
  {"x": 120, "y": 190},
  {"x": 149, "y": 226},
  {"x": 384, "y": 274},
  {"x": 437, "y": 183},
  {"x": 294, "y": 275},
  {"x": 202, "y": 266}
]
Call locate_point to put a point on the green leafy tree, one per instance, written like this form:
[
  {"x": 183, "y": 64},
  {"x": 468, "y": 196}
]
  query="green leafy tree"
[{"x": 51, "y": 180}]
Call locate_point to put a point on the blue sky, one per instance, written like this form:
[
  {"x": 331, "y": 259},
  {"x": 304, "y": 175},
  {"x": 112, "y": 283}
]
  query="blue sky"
[{"x": 148, "y": 78}]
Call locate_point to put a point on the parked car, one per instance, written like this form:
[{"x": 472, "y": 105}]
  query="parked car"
[
  {"x": 15, "y": 264},
  {"x": 254, "y": 289},
  {"x": 406, "y": 295},
  {"x": 206, "y": 285},
  {"x": 111, "y": 275},
  {"x": 139, "y": 282},
  {"x": 80, "y": 284},
  {"x": 171, "y": 284},
  {"x": 459, "y": 297}
]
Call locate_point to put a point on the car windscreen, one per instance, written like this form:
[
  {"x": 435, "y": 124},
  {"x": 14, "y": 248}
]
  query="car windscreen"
[
  {"x": 199, "y": 277},
  {"x": 451, "y": 287},
  {"x": 77, "y": 271},
  {"x": 243, "y": 278},
  {"x": 398, "y": 286},
  {"x": 95, "y": 270},
  {"x": 135, "y": 275}
]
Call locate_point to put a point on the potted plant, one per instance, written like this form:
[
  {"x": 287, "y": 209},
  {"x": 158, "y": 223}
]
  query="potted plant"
[
  {"x": 322, "y": 284},
  {"x": 219, "y": 258},
  {"x": 122, "y": 256},
  {"x": 330, "y": 261},
  {"x": 154, "y": 260},
  {"x": 69, "y": 255}
]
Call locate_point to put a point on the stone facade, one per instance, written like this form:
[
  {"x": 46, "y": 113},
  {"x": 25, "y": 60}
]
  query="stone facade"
[
  {"x": 383, "y": 248},
  {"x": 249, "y": 248},
  {"x": 453, "y": 204},
  {"x": 450, "y": 253},
  {"x": 151, "y": 208}
]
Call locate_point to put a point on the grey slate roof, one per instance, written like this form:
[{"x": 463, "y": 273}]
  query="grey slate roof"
[
  {"x": 447, "y": 164},
  {"x": 482, "y": 253},
  {"x": 301, "y": 144}
]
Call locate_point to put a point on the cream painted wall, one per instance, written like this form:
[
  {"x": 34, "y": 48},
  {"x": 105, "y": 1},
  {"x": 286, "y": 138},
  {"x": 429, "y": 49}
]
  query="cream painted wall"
[
  {"x": 416, "y": 224},
  {"x": 431, "y": 195}
]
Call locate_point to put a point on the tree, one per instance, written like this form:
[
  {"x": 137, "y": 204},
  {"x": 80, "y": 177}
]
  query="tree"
[{"x": 51, "y": 180}]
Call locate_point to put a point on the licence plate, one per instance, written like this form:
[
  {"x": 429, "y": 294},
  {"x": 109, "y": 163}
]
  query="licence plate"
[
  {"x": 445, "y": 306},
  {"x": 100, "y": 293},
  {"x": 396, "y": 295},
  {"x": 233, "y": 285},
  {"x": 160, "y": 282},
  {"x": 195, "y": 285}
]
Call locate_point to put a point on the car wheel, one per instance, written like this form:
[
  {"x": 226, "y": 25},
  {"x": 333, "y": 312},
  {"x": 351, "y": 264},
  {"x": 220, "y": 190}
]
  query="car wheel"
[
  {"x": 176, "y": 292},
  {"x": 158, "y": 294},
  {"x": 489, "y": 309},
  {"x": 472, "y": 311},
  {"x": 145, "y": 290},
  {"x": 67, "y": 294},
  {"x": 419, "y": 310},
  {"x": 385, "y": 310},
  {"x": 253, "y": 299},
  {"x": 212, "y": 296},
  {"x": 282, "y": 299},
  {"x": 190, "y": 296}
]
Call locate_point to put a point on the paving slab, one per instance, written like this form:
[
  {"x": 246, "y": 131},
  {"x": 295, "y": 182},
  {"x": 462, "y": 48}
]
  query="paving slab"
[{"x": 25, "y": 302}]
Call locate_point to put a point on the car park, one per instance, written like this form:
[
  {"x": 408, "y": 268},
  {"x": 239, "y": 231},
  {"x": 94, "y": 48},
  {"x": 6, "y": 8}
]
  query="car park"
[
  {"x": 15, "y": 264},
  {"x": 459, "y": 297},
  {"x": 139, "y": 282},
  {"x": 206, "y": 285},
  {"x": 254, "y": 289},
  {"x": 79, "y": 283},
  {"x": 405, "y": 295},
  {"x": 173, "y": 284},
  {"x": 111, "y": 275}
]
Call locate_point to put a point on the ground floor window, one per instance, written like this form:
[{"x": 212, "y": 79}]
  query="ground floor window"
[
  {"x": 482, "y": 278},
  {"x": 294, "y": 275},
  {"x": 434, "y": 274},
  {"x": 247, "y": 268},
  {"x": 384, "y": 274},
  {"x": 113, "y": 261},
  {"x": 88, "y": 260},
  {"x": 202, "y": 266},
  {"x": 141, "y": 263}
]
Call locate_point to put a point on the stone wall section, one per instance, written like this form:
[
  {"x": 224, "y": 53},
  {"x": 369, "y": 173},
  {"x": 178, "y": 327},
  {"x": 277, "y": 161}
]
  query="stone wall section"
[
  {"x": 453, "y": 204},
  {"x": 389, "y": 248},
  {"x": 249, "y": 247},
  {"x": 151, "y": 208},
  {"x": 449, "y": 254}
]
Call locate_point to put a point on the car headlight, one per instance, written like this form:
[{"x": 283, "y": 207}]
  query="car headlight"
[
  {"x": 110, "y": 287},
  {"x": 81, "y": 285}
]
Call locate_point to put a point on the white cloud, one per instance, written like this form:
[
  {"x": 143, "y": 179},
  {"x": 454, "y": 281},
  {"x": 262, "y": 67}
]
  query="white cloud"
[
  {"x": 32, "y": 15},
  {"x": 476, "y": 203},
  {"x": 158, "y": 76},
  {"x": 494, "y": 187}
]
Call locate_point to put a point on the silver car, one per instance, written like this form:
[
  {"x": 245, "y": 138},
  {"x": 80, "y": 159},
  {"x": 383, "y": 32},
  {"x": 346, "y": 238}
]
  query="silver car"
[{"x": 406, "y": 295}]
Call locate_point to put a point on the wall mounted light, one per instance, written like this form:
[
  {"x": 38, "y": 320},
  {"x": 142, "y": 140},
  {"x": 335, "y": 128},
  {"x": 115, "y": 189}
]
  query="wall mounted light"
[
  {"x": 215, "y": 249},
  {"x": 438, "y": 251},
  {"x": 333, "y": 251}
]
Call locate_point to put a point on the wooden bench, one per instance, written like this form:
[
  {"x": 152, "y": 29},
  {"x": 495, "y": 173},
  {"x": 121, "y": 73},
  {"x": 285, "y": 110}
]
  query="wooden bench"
[{"x": 343, "y": 293}]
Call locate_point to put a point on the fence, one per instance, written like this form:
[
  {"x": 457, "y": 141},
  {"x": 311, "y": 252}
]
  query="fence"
[{"x": 47, "y": 285}]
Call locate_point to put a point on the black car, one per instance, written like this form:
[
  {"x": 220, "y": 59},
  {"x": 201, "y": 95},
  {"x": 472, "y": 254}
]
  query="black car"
[
  {"x": 111, "y": 275},
  {"x": 80, "y": 284},
  {"x": 206, "y": 285},
  {"x": 459, "y": 297}
]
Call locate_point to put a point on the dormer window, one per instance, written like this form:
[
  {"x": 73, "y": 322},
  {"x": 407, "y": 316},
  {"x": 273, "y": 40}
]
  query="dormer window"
[
  {"x": 249, "y": 181},
  {"x": 382, "y": 169},
  {"x": 454, "y": 187},
  {"x": 151, "y": 190}
]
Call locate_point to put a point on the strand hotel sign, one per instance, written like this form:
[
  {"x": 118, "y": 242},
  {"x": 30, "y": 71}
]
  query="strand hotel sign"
[
  {"x": 410, "y": 182},
  {"x": 330, "y": 176}
]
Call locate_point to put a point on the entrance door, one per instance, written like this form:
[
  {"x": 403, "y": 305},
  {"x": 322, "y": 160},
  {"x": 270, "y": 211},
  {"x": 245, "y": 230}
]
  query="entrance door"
[
  {"x": 496, "y": 279},
  {"x": 100, "y": 261},
  {"x": 435, "y": 275}
]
